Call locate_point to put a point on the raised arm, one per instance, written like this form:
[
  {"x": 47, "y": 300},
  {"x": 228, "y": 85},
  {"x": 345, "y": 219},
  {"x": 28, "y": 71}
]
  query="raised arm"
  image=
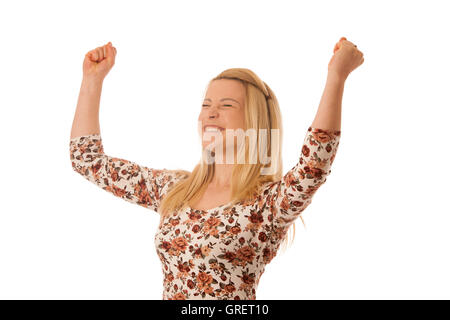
[
  {"x": 122, "y": 178},
  {"x": 96, "y": 65},
  {"x": 289, "y": 197}
]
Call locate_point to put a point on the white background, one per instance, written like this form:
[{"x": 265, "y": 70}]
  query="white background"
[{"x": 377, "y": 229}]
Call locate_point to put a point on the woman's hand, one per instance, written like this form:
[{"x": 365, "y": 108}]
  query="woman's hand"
[
  {"x": 98, "y": 62},
  {"x": 346, "y": 58}
]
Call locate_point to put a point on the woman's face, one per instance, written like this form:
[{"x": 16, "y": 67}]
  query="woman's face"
[{"x": 223, "y": 107}]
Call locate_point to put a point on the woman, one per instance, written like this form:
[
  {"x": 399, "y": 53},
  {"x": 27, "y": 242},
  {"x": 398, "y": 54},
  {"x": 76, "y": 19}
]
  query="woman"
[{"x": 222, "y": 223}]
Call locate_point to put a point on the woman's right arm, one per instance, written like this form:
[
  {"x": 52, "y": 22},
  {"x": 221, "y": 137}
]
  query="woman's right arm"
[
  {"x": 96, "y": 65},
  {"x": 86, "y": 119},
  {"x": 122, "y": 178}
]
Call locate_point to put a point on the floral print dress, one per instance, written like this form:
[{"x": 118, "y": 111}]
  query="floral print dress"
[{"x": 218, "y": 253}]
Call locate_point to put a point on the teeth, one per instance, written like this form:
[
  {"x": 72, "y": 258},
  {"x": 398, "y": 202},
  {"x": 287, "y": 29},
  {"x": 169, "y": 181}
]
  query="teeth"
[{"x": 211, "y": 129}]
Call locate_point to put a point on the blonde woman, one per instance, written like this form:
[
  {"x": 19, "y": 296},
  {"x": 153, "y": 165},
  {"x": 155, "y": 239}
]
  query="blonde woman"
[{"x": 222, "y": 223}]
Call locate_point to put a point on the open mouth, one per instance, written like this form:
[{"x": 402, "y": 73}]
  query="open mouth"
[{"x": 213, "y": 129}]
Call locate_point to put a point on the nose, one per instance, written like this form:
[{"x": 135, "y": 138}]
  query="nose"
[{"x": 213, "y": 113}]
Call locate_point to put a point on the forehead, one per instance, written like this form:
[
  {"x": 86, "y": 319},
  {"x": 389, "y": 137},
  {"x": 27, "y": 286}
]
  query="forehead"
[{"x": 226, "y": 88}]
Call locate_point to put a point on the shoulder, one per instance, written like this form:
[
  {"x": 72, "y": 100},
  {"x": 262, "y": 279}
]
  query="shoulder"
[
  {"x": 180, "y": 174},
  {"x": 175, "y": 175}
]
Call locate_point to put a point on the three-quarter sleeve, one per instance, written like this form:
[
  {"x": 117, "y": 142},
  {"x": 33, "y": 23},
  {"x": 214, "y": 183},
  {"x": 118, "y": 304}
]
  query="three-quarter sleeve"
[
  {"x": 291, "y": 195},
  {"x": 122, "y": 178}
]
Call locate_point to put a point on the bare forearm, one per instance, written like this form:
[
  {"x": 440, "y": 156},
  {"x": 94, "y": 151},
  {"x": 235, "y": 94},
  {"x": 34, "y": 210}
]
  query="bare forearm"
[
  {"x": 328, "y": 116},
  {"x": 86, "y": 119}
]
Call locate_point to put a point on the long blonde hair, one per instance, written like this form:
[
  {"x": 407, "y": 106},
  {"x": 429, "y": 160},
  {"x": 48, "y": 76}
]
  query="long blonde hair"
[{"x": 261, "y": 112}]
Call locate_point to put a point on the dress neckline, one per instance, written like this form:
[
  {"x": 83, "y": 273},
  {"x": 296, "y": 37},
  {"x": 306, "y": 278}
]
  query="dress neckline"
[
  {"x": 212, "y": 209},
  {"x": 223, "y": 205}
]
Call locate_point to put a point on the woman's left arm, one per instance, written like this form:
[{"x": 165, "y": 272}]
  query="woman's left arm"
[
  {"x": 328, "y": 116},
  {"x": 345, "y": 59},
  {"x": 289, "y": 197}
]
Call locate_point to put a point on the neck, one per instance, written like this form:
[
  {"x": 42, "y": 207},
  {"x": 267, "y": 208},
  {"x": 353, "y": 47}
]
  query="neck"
[{"x": 222, "y": 176}]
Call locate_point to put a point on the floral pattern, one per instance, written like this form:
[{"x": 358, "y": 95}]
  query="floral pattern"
[{"x": 222, "y": 252}]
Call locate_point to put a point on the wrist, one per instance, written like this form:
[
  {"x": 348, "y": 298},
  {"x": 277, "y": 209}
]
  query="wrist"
[
  {"x": 336, "y": 77},
  {"x": 91, "y": 82}
]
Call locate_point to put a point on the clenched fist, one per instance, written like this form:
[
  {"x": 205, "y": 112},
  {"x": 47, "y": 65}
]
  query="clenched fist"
[
  {"x": 99, "y": 61},
  {"x": 346, "y": 58}
]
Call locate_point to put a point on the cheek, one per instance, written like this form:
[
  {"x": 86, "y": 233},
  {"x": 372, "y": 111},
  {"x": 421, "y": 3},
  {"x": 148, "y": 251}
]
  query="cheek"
[
  {"x": 238, "y": 123},
  {"x": 240, "y": 119}
]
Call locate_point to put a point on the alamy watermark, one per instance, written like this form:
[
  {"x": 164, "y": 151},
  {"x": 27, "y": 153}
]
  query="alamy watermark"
[{"x": 258, "y": 149}]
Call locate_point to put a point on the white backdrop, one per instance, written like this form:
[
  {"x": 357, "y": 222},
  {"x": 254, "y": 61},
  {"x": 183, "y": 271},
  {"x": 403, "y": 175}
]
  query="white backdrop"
[{"x": 377, "y": 229}]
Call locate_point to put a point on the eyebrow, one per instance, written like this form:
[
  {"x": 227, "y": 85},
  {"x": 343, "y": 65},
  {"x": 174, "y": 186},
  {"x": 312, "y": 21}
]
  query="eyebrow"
[{"x": 226, "y": 99}]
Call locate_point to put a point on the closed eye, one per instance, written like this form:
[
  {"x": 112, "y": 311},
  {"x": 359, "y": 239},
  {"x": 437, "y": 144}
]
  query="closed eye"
[{"x": 225, "y": 105}]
